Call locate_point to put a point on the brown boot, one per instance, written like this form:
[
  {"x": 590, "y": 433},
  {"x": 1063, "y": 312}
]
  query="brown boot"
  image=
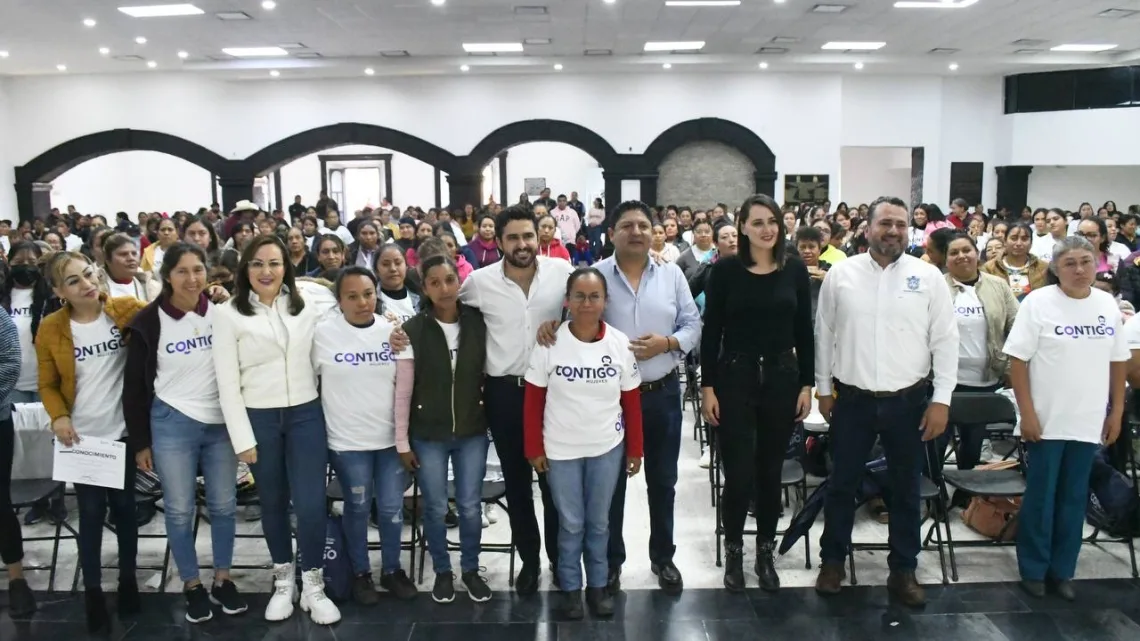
[
  {"x": 904, "y": 588},
  {"x": 830, "y": 579}
]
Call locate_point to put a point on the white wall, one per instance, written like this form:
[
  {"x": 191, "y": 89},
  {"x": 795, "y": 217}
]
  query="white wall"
[
  {"x": 133, "y": 181},
  {"x": 1090, "y": 137},
  {"x": 7, "y": 175},
  {"x": 1067, "y": 187},
  {"x": 804, "y": 118},
  {"x": 565, "y": 168},
  {"x": 413, "y": 181},
  {"x": 870, "y": 172}
]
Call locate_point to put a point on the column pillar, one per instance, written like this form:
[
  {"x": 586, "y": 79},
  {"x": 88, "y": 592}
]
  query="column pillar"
[
  {"x": 648, "y": 189},
  {"x": 766, "y": 184},
  {"x": 1013, "y": 187},
  {"x": 613, "y": 190},
  {"x": 465, "y": 189},
  {"x": 33, "y": 200},
  {"x": 234, "y": 189}
]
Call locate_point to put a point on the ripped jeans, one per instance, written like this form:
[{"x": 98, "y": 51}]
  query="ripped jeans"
[{"x": 364, "y": 475}]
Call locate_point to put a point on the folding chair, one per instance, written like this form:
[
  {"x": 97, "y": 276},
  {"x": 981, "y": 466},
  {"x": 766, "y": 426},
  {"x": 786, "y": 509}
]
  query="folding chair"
[{"x": 24, "y": 494}]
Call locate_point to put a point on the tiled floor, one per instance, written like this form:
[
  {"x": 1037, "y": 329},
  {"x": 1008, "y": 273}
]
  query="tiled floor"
[{"x": 985, "y": 605}]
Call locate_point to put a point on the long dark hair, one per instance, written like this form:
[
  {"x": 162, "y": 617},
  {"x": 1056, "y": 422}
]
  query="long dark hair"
[
  {"x": 170, "y": 261},
  {"x": 435, "y": 260},
  {"x": 212, "y": 249},
  {"x": 44, "y": 301},
  {"x": 243, "y": 287},
  {"x": 780, "y": 249}
]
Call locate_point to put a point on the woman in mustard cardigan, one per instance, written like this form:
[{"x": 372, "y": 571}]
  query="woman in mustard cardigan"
[{"x": 82, "y": 357}]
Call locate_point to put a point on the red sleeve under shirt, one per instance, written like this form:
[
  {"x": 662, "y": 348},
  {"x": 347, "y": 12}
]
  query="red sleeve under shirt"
[{"x": 534, "y": 408}]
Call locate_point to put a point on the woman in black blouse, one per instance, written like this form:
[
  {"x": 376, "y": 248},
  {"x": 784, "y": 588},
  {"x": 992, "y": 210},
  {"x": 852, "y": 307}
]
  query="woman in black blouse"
[{"x": 758, "y": 367}]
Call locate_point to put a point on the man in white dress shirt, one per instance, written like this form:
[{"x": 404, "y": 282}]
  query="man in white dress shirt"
[
  {"x": 516, "y": 295},
  {"x": 884, "y": 323}
]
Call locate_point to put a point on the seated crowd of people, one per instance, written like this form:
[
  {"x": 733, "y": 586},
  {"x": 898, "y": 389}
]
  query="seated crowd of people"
[{"x": 406, "y": 343}]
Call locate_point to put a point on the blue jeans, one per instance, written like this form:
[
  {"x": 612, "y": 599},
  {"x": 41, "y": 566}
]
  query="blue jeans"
[
  {"x": 20, "y": 396},
  {"x": 182, "y": 447},
  {"x": 856, "y": 421},
  {"x": 292, "y": 459},
  {"x": 661, "y": 424},
  {"x": 93, "y": 502},
  {"x": 1052, "y": 517},
  {"x": 583, "y": 490},
  {"x": 469, "y": 460},
  {"x": 364, "y": 475}
]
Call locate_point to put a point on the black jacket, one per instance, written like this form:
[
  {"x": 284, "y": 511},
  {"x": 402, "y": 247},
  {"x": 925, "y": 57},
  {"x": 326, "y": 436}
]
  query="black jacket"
[{"x": 446, "y": 407}]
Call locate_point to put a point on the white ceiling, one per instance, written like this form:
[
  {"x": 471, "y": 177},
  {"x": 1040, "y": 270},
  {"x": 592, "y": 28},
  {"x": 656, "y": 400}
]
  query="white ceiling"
[{"x": 350, "y": 35}]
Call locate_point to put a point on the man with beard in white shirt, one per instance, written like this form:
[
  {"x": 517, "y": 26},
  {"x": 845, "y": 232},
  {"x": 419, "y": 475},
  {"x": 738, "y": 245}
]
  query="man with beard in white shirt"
[{"x": 884, "y": 322}]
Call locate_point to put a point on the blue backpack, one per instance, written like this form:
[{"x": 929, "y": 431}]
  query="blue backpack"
[{"x": 336, "y": 566}]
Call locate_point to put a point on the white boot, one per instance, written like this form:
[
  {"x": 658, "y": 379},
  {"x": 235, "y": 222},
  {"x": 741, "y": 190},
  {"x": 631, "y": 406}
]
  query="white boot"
[
  {"x": 313, "y": 600},
  {"x": 284, "y": 593}
]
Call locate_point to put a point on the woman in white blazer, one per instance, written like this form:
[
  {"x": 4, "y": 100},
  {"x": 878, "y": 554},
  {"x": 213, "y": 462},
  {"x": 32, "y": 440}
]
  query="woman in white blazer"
[{"x": 268, "y": 391}]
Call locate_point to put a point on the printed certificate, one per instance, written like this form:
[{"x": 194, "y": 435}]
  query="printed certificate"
[{"x": 91, "y": 461}]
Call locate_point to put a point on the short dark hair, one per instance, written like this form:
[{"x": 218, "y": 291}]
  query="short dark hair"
[
  {"x": 887, "y": 200},
  {"x": 353, "y": 270},
  {"x": 624, "y": 208},
  {"x": 582, "y": 272},
  {"x": 809, "y": 235},
  {"x": 113, "y": 242},
  {"x": 173, "y": 255},
  {"x": 513, "y": 213},
  {"x": 940, "y": 239},
  {"x": 213, "y": 246}
]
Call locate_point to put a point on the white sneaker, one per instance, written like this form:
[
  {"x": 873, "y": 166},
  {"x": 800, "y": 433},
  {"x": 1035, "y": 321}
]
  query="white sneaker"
[
  {"x": 705, "y": 462},
  {"x": 987, "y": 453},
  {"x": 486, "y": 521},
  {"x": 284, "y": 593},
  {"x": 491, "y": 513},
  {"x": 313, "y": 600}
]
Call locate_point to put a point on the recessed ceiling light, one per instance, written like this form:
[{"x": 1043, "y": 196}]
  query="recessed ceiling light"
[
  {"x": 254, "y": 52},
  {"x": 3, "y": 54},
  {"x": 610, "y": 1},
  {"x": 274, "y": 73},
  {"x": 492, "y": 47},
  {"x": 89, "y": 22},
  {"x": 438, "y": 3},
  {"x": 829, "y": 8},
  {"x": 162, "y": 11},
  {"x": 779, "y": 1},
  {"x": 536, "y": 41},
  {"x": 268, "y": 5},
  {"x": 853, "y": 46},
  {"x": 702, "y": 3},
  {"x": 1083, "y": 48},
  {"x": 140, "y": 40},
  {"x": 464, "y": 68},
  {"x": 666, "y": 66},
  {"x": 151, "y": 64},
  {"x": 61, "y": 67},
  {"x": 858, "y": 65},
  {"x": 763, "y": 65},
  {"x": 934, "y": 4},
  {"x": 104, "y": 51},
  {"x": 558, "y": 67},
  {"x": 184, "y": 55},
  {"x": 953, "y": 66},
  {"x": 693, "y": 45},
  {"x": 369, "y": 71}
]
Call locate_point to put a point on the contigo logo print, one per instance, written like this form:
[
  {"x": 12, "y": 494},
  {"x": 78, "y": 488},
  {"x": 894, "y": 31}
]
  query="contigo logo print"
[
  {"x": 19, "y": 312},
  {"x": 101, "y": 349},
  {"x": 1100, "y": 330},
  {"x": 382, "y": 357},
  {"x": 969, "y": 310},
  {"x": 190, "y": 345},
  {"x": 588, "y": 374}
]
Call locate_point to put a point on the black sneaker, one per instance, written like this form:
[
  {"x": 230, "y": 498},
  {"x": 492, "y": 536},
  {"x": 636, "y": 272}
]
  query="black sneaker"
[
  {"x": 57, "y": 512},
  {"x": 444, "y": 589},
  {"x": 399, "y": 585},
  {"x": 21, "y": 601},
  {"x": 36, "y": 513},
  {"x": 526, "y": 583},
  {"x": 252, "y": 513},
  {"x": 95, "y": 606},
  {"x": 364, "y": 590},
  {"x": 572, "y": 605},
  {"x": 198, "y": 605},
  {"x": 451, "y": 519},
  {"x": 226, "y": 595},
  {"x": 600, "y": 602},
  {"x": 476, "y": 586},
  {"x": 129, "y": 603}
]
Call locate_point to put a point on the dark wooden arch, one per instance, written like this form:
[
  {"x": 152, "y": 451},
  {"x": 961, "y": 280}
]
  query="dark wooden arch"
[
  {"x": 54, "y": 162},
  {"x": 348, "y": 133},
  {"x": 719, "y": 130},
  {"x": 541, "y": 130}
]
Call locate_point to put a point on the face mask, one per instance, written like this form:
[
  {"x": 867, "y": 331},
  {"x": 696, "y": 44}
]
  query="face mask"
[{"x": 25, "y": 275}]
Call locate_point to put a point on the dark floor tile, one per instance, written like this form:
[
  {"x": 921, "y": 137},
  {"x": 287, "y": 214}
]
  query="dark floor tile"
[
  {"x": 1068, "y": 625},
  {"x": 928, "y": 627},
  {"x": 632, "y": 630},
  {"x": 39, "y": 630},
  {"x": 793, "y": 626},
  {"x": 852, "y": 601},
  {"x": 640, "y": 605},
  {"x": 536, "y": 631},
  {"x": 1026, "y": 626},
  {"x": 967, "y": 598},
  {"x": 1092, "y": 594},
  {"x": 235, "y": 629},
  {"x": 355, "y": 631}
]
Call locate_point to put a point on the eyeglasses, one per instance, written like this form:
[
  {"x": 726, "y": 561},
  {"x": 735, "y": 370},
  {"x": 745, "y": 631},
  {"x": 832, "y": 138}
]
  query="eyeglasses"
[{"x": 595, "y": 297}]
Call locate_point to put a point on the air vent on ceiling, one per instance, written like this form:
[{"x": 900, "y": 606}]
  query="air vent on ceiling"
[
  {"x": 784, "y": 40},
  {"x": 530, "y": 11},
  {"x": 130, "y": 58},
  {"x": 943, "y": 51},
  {"x": 1028, "y": 42},
  {"x": 233, "y": 15},
  {"x": 290, "y": 46},
  {"x": 772, "y": 51},
  {"x": 1028, "y": 52},
  {"x": 829, "y": 8},
  {"x": 482, "y": 54},
  {"x": 1117, "y": 13},
  {"x": 536, "y": 41},
  {"x": 395, "y": 53},
  {"x": 598, "y": 52},
  {"x": 308, "y": 55}
]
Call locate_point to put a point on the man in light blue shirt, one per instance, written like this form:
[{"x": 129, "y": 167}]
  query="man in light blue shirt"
[{"x": 652, "y": 305}]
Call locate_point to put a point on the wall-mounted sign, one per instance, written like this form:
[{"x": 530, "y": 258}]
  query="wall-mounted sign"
[
  {"x": 534, "y": 186},
  {"x": 806, "y": 188}
]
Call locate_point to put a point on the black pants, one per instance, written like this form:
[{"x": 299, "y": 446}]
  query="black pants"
[
  {"x": 93, "y": 502},
  {"x": 756, "y": 423},
  {"x": 504, "y": 399},
  {"x": 11, "y": 540}
]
